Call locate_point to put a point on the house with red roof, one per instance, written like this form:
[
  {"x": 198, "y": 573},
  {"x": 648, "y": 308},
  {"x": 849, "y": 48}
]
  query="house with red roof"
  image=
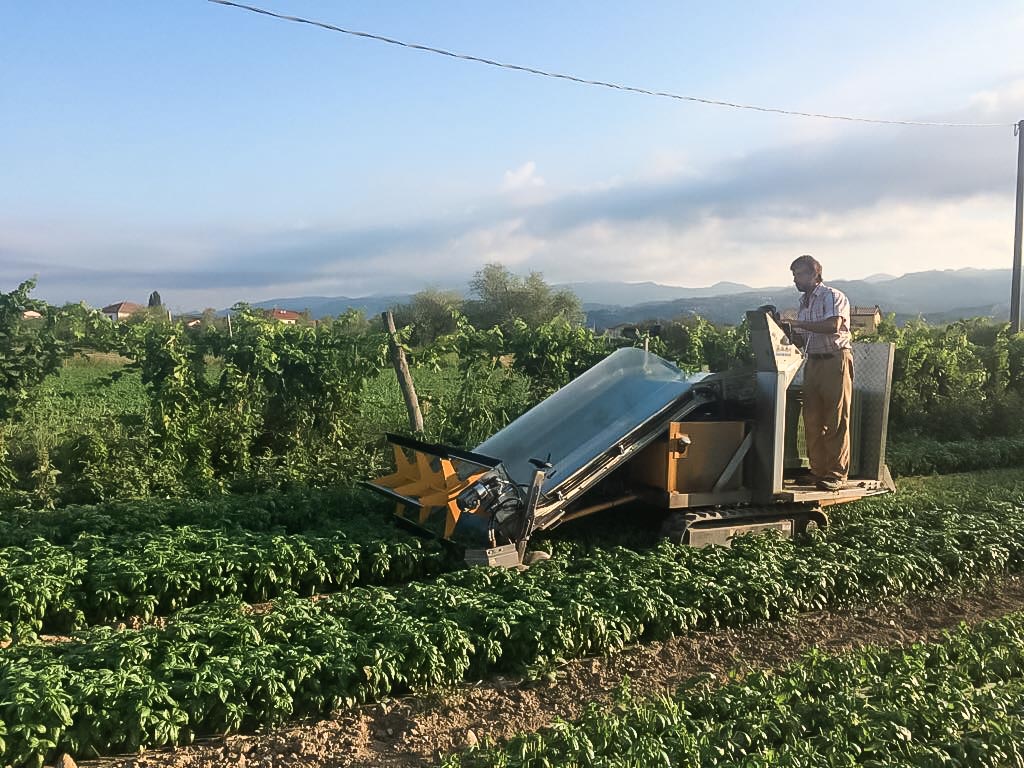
[
  {"x": 121, "y": 311},
  {"x": 285, "y": 316}
]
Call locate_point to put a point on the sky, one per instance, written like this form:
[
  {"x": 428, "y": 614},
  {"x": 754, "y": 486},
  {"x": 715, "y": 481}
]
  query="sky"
[{"x": 217, "y": 156}]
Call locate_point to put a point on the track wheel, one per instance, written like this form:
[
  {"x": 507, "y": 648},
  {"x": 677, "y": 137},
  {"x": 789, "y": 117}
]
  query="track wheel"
[
  {"x": 535, "y": 556},
  {"x": 811, "y": 520},
  {"x": 674, "y": 527}
]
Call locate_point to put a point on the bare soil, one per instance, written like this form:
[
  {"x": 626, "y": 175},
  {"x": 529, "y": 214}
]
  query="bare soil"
[{"x": 416, "y": 730}]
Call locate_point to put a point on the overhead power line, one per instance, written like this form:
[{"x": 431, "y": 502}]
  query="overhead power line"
[{"x": 600, "y": 83}]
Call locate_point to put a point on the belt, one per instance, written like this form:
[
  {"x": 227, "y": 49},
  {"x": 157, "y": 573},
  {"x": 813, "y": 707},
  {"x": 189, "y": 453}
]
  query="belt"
[{"x": 825, "y": 355}]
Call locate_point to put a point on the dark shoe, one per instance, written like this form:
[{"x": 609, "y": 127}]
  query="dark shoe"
[{"x": 831, "y": 484}]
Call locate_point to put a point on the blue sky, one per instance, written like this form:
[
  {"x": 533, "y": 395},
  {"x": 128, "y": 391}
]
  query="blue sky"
[{"x": 216, "y": 155}]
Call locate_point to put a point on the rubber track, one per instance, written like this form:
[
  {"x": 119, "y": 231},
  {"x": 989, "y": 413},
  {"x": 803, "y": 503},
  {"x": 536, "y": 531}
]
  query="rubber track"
[{"x": 678, "y": 523}]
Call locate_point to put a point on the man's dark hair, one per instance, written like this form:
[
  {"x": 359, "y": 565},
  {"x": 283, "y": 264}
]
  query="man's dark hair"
[{"x": 809, "y": 262}]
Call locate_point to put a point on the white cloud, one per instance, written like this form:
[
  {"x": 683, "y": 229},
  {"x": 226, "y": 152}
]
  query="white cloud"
[
  {"x": 999, "y": 103},
  {"x": 506, "y": 242},
  {"x": 892, "y": 237},
  {"x": 522, "y": 178}
]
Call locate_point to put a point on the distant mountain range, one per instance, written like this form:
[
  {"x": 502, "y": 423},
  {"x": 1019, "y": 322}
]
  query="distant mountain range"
[
  {"x": 331, "y": 306},
  {"x": 937, "y": 295},
  {"x": 627, "y": 294}
]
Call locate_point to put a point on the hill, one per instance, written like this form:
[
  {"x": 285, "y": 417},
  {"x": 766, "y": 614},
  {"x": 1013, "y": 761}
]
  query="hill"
[{"x": 937, "y": 295}]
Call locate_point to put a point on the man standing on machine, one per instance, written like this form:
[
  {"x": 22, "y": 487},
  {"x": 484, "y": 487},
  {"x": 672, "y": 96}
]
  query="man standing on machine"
[{"x": 823, "y": 322}]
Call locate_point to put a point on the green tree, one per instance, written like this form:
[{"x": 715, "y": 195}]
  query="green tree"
[
  {"x": 209, "y": 318},
  {"x": 429, "y": 314},
  {"x": 154, "y": 299},
  {"x": 555, "y": 353},
  {"x": 29, "y": 352},
  {"x": 500, "y": 298},
  {"x": 82, "y": 328},
  {"x": 939, "y": 379},
  {"x": 695, "y": 343}
]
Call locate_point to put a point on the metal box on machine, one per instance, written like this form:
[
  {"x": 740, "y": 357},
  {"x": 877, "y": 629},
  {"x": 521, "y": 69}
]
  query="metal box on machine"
[{"x": 688, "y": 464}]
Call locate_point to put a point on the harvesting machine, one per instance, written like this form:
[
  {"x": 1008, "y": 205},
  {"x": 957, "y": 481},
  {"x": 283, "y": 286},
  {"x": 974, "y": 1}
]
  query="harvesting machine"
[{"x": 720, "y": 452}]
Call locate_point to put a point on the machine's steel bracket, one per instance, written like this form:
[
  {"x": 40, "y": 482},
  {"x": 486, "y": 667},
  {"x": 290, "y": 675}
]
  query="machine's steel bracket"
[{"x": 734, "y": 463}]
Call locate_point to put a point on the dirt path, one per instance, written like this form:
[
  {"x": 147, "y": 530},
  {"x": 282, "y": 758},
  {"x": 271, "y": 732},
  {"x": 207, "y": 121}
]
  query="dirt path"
[{"x": 414, "y": 731}]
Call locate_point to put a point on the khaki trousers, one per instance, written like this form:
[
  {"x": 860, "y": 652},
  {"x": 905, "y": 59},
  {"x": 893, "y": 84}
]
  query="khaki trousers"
[{"x": 828, "y": 390}]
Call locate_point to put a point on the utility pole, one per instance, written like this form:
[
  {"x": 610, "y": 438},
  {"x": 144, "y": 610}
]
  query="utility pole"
[{"x": 1018, "y": 131}]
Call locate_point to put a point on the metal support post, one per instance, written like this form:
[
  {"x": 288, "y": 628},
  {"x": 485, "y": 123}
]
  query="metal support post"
[{"x": 1015, "y": 287}]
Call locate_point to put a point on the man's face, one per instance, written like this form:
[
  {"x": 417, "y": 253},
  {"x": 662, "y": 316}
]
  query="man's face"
[{"x": 804, "y": 278}]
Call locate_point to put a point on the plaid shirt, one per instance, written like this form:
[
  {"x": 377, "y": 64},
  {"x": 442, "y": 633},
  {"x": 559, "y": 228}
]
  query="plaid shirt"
[{"x": 821, "y": 304}]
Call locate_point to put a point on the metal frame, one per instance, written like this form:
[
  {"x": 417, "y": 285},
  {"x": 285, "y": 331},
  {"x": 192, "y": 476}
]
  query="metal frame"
[
  {"x": 734, "y": 463},
  {"x": 770, "y": 435},
  {"x": 562, "y": 495}
]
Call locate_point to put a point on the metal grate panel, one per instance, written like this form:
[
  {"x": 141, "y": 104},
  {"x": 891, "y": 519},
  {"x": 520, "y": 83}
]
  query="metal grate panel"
[{"x": 872, "y": 381}]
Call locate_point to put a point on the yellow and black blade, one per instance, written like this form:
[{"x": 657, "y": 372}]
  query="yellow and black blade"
[{"x": 432, "y": 478}]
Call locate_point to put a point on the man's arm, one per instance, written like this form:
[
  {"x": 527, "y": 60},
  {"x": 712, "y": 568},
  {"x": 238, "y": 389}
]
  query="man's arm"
[
  {"x": 828, "y": 325},
  {"x": 795, "y": 338}
]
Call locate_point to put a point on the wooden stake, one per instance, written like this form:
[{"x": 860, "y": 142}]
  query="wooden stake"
[{"x": 412, "y": 402}]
